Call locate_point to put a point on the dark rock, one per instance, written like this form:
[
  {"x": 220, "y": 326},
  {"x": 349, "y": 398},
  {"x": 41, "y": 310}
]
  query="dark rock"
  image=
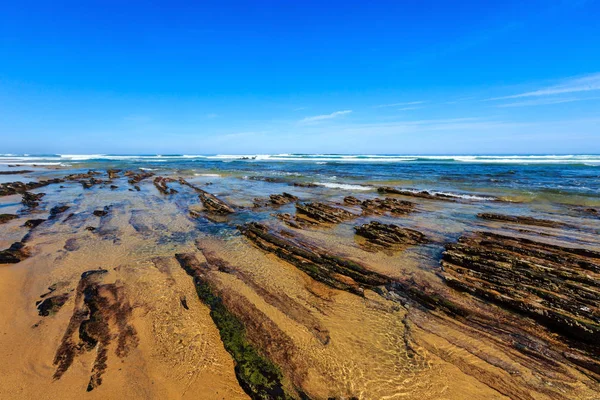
[
  {"x": 381, "y": 206},
  {"x": 16, "y": 253},
  {"x": 10, "y": 188},
  {"x": 136, "y": 177},
  {"x": 161, "y": 184},
  {"x": 51, "y": 305},
  {"x": 57, "y": 210},
  {"x": 557, "y": 286},
  {"x": 90, "y": 228},
  {"x": 103, "y": 212},
  {"x": 324, "y": 213},
  {"x": 275, "y": 200},
  {"x": 332, "y": 270},
  {"x": 113, "y": 187},
  {"x": 32, "y": 200},
  {"x": 296, "y": 221},
  {"x": 113, "y": 173},
  {"x": 388, "y": 235},
  {"x": 32, "y": 223},
  {"x": 422, "y": 194},
  {"x": 4, "y": 218},
  {"x": 211, "y": 203},
  {"x": 17, "y": 172},
  {"x": 101, "y": 314},
  {"x": 516, "y": 219},
  {"x": 305, "y": 184}
]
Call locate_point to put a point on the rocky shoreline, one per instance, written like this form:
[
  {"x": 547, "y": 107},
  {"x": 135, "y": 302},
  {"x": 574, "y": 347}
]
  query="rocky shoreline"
[{"x": 518, "y": 315}]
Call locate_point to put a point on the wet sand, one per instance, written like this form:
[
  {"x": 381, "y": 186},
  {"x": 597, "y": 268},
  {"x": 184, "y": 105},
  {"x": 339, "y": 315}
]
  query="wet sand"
[{"x": 154, "y": 289}]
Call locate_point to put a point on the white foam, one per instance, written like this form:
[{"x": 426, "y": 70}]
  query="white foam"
[{"x": 344, "y": 186}]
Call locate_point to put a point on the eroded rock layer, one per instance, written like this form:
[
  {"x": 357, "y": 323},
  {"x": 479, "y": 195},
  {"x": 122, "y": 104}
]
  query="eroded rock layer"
[
  {"x": 557, "y": 286},
  {"x": 389, "y": 236},
  {"x": 334, "y": 271}
]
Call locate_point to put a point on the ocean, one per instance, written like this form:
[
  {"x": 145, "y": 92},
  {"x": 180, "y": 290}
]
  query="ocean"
[{"x": 573, "y": 179}]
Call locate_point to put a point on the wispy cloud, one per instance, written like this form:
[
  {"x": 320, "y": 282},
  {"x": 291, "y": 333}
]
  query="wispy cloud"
[
  {"x": 409, "y": 108},
  {"x": 317, "y": 118},
  {"x": 407, "y": 103},
  {"x": 546, "y": 101},
  {"x": 585, "y": 83},
  {"x": 211, "y": 115}
]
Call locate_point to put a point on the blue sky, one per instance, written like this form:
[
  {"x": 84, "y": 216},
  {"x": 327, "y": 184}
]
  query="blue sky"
[{"x": 407, "y": 77}]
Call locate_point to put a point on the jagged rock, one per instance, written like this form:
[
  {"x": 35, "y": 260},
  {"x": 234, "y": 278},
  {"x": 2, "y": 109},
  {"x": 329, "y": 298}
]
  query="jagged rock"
[
  {"x": 103, "y": 212},
  {"x": 517, "y": 219},
  {"x": 422, "y": 194},
  {"x": 137, "y": 177},
  {"x": 557, "y": 286},
  {"x": 10, "y": 188},
  {"x": 51, "y": 305},
  {"x": 295, "y": 221},
  {"x": 275, "y": 200},
  {"x": 113, "y": 173},
  {"x": 32, "y": 223},
  {"x": 17, "y": 172},
  {"x": 334, "y": 271},
  {"x": 305, "y": 185},
  {"x": 56, "y": 210},
  {"x": 389, "y": 235},
  {"x": 32, "y": 200},
  {"x": 352, "y": 201},
  {"x": 91, "y": 182},
  {"x": 4, "y": 218},
  {"x": 161, "y": 184},
  {"x": 77, "y": 177},
  {"x": 324, "y": 213},
  {"x": 16, "y": 253},
  {"x": 381, "y": 206},
  {"x": 211, "y": 203}
]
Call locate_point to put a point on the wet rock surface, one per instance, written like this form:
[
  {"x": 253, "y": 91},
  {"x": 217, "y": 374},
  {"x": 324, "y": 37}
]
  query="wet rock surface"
[
  {"x": 10, "y": 188},
  {"x": 557, "y": 286},
  {"x": 275, "y": 200},
  {"x": 332, "y": 270},
  {"x": 16, "y": 172},
  {"x": 381, "y": 206},
  {"x": 319, "y": 213},
  {"x": 51, "y": 305},
  {"x": 16, "y": 253},
  {"x": 212, "y": 204},
  {"x": 523, "y": 220},
  {"x": 389, "y": 236},
  {"x": 100, "y": 316},
  {"x": 161, "y": 184},
  {"x": 4, "y": 218},
  {"x": 137, "y": 177},
  {"x": 32, "y": 200},
  {"x": 257, "y": 375}
]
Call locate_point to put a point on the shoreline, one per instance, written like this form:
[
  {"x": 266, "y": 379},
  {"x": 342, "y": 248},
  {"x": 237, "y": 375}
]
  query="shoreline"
[{"x": 279, "y": 287}]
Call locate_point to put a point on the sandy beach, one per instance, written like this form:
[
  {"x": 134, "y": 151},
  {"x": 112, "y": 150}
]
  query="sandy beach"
[{"x": 126, "y": 283}]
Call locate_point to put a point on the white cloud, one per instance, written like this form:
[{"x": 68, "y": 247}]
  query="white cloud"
[
  {"x": 573, "y": 85},
  {"x": 317, "y": 118},
  {"x": 408, "y": 103},
  {"x": 543, "y": 102},
  {"x": 409, "y": 108}
]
